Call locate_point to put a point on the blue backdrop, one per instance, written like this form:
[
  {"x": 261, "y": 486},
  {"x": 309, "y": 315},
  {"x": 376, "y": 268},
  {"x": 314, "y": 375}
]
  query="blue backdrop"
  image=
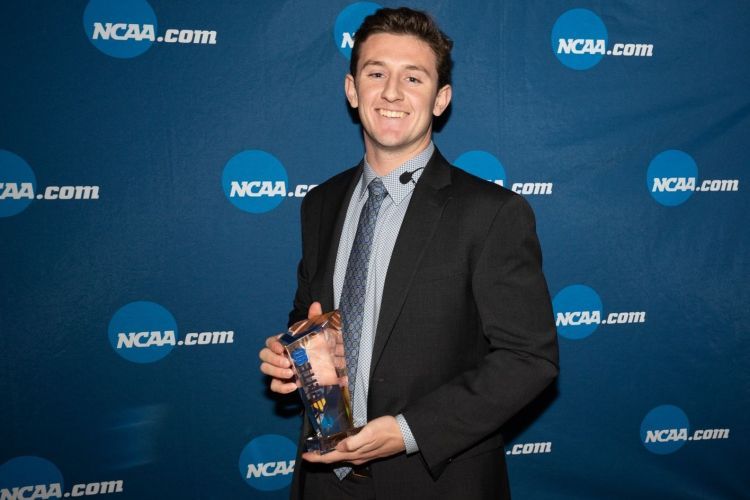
[{"x": 153, "y": 156}]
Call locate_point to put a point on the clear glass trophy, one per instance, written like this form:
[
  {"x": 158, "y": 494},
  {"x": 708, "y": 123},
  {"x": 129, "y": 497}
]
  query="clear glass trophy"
[{"x": 316, "y": 348}]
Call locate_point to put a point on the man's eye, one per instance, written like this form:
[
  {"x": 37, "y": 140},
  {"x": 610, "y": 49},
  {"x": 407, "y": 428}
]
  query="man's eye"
[
  {"x": 376, "y": 75},
  {"x": 412, "y": 79}
]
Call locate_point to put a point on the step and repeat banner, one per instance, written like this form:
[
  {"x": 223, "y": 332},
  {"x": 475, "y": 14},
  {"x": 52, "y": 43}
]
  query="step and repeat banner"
[{"x": 153, "y": 158}]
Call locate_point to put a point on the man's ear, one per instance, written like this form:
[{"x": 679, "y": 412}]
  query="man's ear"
[
  {"x": 442, "y": 100},
  {"x": 350, "y": 88}
]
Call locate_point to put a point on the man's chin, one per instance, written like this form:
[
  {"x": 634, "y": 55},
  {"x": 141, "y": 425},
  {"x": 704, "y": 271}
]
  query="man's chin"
[{"x": 391, "y": 144}]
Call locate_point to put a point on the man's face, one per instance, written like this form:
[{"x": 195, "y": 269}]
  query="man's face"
[{"x": 396, "y": 93}]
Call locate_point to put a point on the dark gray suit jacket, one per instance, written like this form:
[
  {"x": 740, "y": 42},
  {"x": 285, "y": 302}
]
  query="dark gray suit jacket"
[{"x": 465, "y": 337}]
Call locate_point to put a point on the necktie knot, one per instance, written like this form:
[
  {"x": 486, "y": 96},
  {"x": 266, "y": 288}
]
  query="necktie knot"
[{"x": 377, "y": 189}]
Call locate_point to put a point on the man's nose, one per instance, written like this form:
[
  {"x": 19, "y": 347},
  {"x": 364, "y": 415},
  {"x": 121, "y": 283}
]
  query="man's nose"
[{"x": 392, "y": 90}]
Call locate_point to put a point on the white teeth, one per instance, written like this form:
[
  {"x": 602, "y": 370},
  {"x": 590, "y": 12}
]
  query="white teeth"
[{"x": 392, "y": 114}]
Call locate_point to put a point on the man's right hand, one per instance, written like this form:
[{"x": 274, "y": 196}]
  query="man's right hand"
[{"x": 276, "y": 365}]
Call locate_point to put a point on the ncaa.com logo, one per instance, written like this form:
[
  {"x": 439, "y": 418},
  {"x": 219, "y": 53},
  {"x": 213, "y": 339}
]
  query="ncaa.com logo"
[
  {"x": 665, "y": 429},
  {"x": 38, "y": 478},
  {"x": 127, "y": 28},
  {"x": 267, "y": 462},
  {"x": 672, "y": 178},
  {"x": 255, "y": 181},
  {"x": 348, "y": 22},
  {"x": 145, "y": 332},
  {"x": 18, "y": 187},
  {"x": 580, "y": 40},
  {"x": 579, "y": 311},
  {"x": 529, "y": 448},
  {"x": 486, "y": 166}
]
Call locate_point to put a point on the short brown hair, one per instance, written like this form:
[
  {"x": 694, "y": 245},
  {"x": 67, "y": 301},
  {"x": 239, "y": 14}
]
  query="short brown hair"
[{"x": 405, "y": 21}]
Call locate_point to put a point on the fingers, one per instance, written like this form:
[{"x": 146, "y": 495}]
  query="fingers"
[
  {"x": 336, "y": 456},
  {"x": 274, "y": 344},
  {"x": 329, "y": 458},
  {"x": 276, "y": 365},
  {"x": 275, "y": 360},
  {"x": 282, "y": 387},
  {"x": 348, "y": 445},
  {"x": 358, "y": 445},
  {"x": 276, "y": 371},
  {"x": 315, "y": 310},
  {"x": 281, "y": 377},
  {"x": 317, "y": 458},
  {"x": 343, "y": 453}
]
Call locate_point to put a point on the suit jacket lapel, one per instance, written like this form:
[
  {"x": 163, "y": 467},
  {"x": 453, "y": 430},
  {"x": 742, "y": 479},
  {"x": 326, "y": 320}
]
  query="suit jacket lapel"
[
  {"x": 334, "y": 209},
  {"x": 421, "y": 220}
]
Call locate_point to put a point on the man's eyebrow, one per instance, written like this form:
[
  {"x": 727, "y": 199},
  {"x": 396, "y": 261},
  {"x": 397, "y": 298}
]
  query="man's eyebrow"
[
  {"x": 414, "y": 67},
  {"x": 372, "y": 62},
  {"x": 410, "y": 67}
]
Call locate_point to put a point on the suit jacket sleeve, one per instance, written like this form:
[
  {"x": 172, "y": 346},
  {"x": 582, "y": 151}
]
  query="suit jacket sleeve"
[{"x": 514, "y": 309}]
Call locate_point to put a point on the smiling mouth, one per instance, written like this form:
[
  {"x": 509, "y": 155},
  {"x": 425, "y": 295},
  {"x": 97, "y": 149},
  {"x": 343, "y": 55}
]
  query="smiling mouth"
[{"x": 392, "y": 114}]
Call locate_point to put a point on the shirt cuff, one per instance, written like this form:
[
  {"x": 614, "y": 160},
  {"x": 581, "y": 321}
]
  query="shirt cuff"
[{"x": 409, "y": 441}]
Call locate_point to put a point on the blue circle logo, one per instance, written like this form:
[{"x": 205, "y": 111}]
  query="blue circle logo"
[
  {"x": 671, "y": 177},
  {"x": 255, "y": 181},
  {"x": 483, "y": 165},
  {"x": 348, "y": 22},
  {"x": 665, "y": 429},
  {"x": 17, "y": 184},
  {"x": 578, "y": 311},
  {"x": 31, "y": 477},
  {"x": 267, "y": 462},
  {"x": 143, "y": 332},
  {"x": 579, "y": 39},
  {"x": 120, "y": 28}
]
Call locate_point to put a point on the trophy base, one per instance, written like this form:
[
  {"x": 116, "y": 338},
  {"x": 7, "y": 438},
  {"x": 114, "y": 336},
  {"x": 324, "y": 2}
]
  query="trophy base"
[{"x": 326, "y": 444}]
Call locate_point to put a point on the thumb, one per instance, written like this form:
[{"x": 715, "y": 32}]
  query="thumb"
[
  {"x": 349, "y": 444},
  {"x": 315, "y": 310}
]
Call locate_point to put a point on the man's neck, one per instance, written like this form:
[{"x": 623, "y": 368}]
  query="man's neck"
[{"x": 383, "y": 161}]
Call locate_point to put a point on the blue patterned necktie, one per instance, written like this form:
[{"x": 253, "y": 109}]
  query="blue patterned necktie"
[{"x": 352, "y": 303}]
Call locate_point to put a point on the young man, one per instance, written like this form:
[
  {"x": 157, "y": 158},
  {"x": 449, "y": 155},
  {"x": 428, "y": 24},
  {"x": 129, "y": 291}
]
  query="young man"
[{"x": 438, "y": 278}]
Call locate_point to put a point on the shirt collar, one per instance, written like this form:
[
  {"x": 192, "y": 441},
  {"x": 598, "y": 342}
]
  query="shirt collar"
[{"x": 397, "y": 190}]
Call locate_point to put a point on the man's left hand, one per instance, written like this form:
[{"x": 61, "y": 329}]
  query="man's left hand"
[{"x": 380, "y": 438}]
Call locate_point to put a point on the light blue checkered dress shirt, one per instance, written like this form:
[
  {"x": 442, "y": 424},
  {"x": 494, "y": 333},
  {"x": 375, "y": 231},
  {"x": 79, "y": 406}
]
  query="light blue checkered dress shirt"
[{"x": 390, "y": 217}]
